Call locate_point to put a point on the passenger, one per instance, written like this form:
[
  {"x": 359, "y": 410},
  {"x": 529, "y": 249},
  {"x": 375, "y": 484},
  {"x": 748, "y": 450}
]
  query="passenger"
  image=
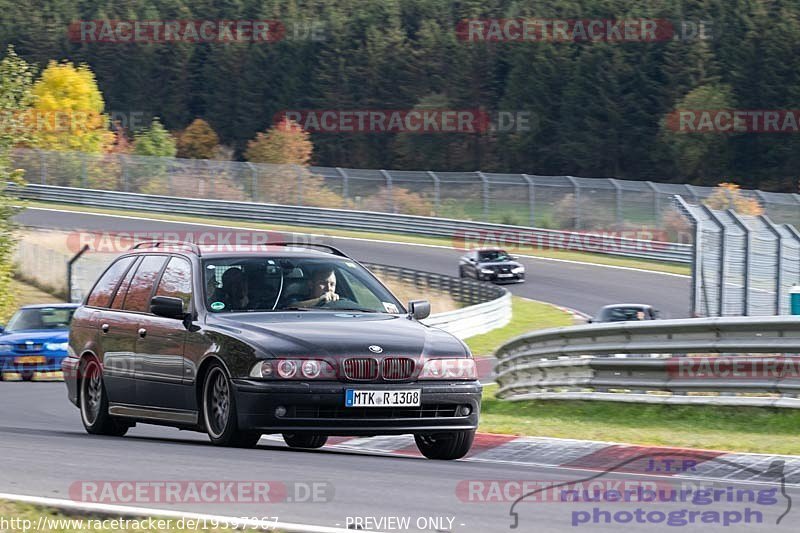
[{"x": 233, "y": 292}]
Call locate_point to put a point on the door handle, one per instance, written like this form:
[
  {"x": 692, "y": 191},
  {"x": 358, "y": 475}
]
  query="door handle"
[
  {"x": 142, "y": 332},
  {"x": 104, "y": 327}
]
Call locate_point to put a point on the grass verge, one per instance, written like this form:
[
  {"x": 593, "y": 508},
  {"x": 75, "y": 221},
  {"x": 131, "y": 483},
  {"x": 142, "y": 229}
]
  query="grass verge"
[
  {"x": 23, "y": 517},
  {"x": 584, "y": 257},
  {"x": 742, "y": 429},
  {"x": 527, "y": 315}
]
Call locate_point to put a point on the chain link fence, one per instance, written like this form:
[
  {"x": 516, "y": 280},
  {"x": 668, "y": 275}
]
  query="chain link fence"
[
  {"x": 550, "y": 202},
  {"x": 743, "y": 265}
]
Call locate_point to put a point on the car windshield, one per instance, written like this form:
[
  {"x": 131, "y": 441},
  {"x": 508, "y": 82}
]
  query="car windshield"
[
  {"x": 40, "y": 318},
  {"x": 494, "y": 255},
  {"x": 622, "y": 314},
  {"x": 293, "y": 283}
]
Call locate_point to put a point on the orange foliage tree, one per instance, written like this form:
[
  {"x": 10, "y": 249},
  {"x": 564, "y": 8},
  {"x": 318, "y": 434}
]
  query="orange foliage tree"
[{"x": 730, "y": 196}]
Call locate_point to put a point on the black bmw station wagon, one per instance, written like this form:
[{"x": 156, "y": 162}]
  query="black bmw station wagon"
[{"x": 300, "y": 341}]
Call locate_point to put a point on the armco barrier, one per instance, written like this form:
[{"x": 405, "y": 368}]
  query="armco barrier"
[
  {"x": 647, "y": 362},
  {"x": 458, "y": 231}
]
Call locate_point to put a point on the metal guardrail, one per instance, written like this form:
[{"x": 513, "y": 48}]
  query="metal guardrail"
[
  {"x": 488, "y": 306},
  {"x": 461, "y": 232},
  {"x": 555, "y": 202},
  {"x": 647, "y": 362}
]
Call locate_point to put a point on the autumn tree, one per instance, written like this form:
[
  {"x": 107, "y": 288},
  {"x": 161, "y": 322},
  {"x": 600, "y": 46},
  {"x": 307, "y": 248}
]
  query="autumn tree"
[
  {"x": 154, "y": 141},
  {"x": 730, "y": 196},
  {"x": 68, "y": 109},
  {"x": 284, "y": 153},
  {"x": 198, "y": 141},
  {"x": 16, "y": 80}
]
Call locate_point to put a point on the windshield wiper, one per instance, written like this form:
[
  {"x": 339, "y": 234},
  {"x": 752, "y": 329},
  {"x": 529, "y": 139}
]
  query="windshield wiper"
[{"x": 352, "y": 309}]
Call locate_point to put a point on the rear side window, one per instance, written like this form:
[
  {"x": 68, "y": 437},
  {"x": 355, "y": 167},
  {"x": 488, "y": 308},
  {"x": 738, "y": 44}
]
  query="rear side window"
[
  {"x": 105, "y": 286},
  {"x": 119, "y": 297},
  {"x": 177, "y": 281},
  {"x": 138, "y": 297}
]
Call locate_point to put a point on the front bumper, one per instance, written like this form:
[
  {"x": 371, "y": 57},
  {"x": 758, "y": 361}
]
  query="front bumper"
[
  {"x": 319, "y": 408},
  {"x": 502, "y": 278},
  {"x": 52, "y": 363},
  {"x": 70, "y": 368}
]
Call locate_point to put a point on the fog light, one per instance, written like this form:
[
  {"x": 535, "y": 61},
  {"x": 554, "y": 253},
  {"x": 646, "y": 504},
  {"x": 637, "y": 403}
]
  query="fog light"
[
  {"x": 280, "y": 411},
  {"x": 466, "y": 410}
]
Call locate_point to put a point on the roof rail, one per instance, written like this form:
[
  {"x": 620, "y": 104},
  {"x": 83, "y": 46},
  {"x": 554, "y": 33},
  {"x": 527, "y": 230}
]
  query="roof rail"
[
  {"x": 160, "y": 244},
  {"x": 331, "y": 249}
]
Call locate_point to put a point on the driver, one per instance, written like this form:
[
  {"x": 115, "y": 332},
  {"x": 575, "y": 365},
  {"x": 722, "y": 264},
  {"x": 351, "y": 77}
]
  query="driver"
[{"x": 322, "y": 289}]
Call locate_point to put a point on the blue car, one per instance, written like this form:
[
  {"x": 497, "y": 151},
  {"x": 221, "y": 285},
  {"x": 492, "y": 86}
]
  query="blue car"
[{"x": 35, "y": 340}]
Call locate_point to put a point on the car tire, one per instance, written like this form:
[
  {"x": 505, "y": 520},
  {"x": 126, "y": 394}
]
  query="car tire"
[
  {"x": 219, "y": 412},
  {"x": 27, "y": 375},
  {"x": 461, "y": 273},
  {"x": 93, "y": 403},
  {"x": 445, "y": 446},
  {"x": 305, "y": 440}
]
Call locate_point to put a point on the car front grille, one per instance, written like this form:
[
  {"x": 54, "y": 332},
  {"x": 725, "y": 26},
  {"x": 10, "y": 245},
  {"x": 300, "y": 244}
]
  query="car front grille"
[
  {"x": 350, "y": 413},
  {"x": 25, "y": 347},
  {"x": 397, "y": 368},
  {"x": 360, "y": 369}
]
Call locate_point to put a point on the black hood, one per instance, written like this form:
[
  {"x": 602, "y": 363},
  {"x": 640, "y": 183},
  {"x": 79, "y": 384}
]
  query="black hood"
[{"x": 339, "y": 334}]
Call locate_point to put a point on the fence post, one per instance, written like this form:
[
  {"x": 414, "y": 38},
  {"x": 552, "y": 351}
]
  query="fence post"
[
  {"x": 531, "y": 200},
  {"x": 389, "y": 199},
  {"x": 436, "y": 192},
  {"x": 747, "y": 258},
  {"x": 124, "y": 170},
  {"x": 70, "y": 262},
  {"x": 83, "y": 169},
  {"x": 656, "y": 202},
  {"x": 577, "y": 194},
  {"x": 345, "y": 185},
  {"x": 42, "y": 167},
  {"x": 618, "y": 207},
  {"x": 779, "y": 262},
  {"x": 210, "y": 178},
  {"x": 253, "y": 180},
  {"x": 485, "y": 195},
  {"x": 300, "y": 195},
  {"x": 723, "y": 269},
  {"x": 694, "y": 294}
]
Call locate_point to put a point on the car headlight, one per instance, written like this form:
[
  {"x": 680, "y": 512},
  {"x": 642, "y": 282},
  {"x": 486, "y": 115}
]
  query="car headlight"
[
  {"x": 518, "y": 270},
  {"x": 56, "y": 346},
  {"x": 6, "y": 347},
  {"x": 293, "y": 369},
  {"x": 460, "y": 368},
  {"x": 487, "y": 271}
]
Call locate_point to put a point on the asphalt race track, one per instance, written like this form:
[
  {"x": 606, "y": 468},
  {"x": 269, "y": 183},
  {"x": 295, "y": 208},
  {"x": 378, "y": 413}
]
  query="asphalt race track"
[
  {"x": 582, "y": 287},
  {"x": 47, "y": 453}
]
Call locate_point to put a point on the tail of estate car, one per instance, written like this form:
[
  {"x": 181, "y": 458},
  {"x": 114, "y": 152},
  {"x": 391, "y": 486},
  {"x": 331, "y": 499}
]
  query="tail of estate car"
[{"x": 168, "y": 335}]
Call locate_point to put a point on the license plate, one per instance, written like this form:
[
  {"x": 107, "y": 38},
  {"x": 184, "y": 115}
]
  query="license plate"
[
  {"x": 382, "y": 398},
  {"x": 504, "y": 275},
  {"x": 30, "y": 359}
]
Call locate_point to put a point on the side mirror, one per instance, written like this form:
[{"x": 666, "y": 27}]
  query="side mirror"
[
  {"x": 589, "y": 320},
  {"x": 167, "y": 306},
  {"x": 419, "y": 309}
]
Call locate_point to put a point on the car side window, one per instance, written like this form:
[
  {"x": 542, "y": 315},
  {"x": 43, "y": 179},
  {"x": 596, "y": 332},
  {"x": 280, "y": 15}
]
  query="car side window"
[
  {"x": 138, "y": 297},
  {"x": 107, "y": 284},
  {"x": 177, "y": 281},
  {"x": 119, "y": 297}
]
